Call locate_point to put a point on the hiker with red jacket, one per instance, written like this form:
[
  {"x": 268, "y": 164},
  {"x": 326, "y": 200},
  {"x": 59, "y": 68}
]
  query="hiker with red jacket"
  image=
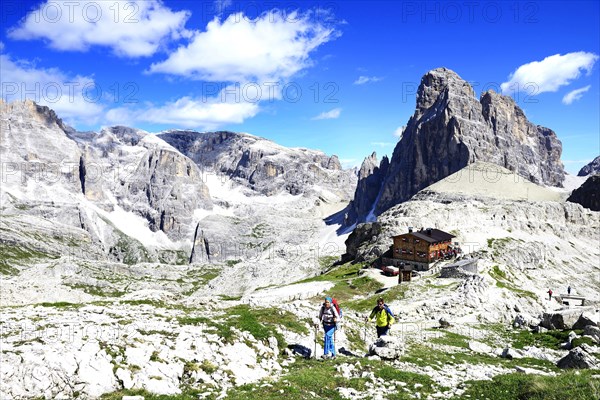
[
  {"x": 549, "y": 294},
  {"x": 329, "y": 317}
]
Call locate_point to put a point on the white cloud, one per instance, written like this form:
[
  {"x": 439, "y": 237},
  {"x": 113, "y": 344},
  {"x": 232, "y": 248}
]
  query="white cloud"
[
  {"x": 382, "y": 144},
  {"x": 187, "y": 112},
  {"x": 575, "y": 94},
  {"x": 133, "y": 28},
  {"x": 73, "y": 98},
  {"x": 78, "y": 99},
  {"x": 549, "y": 74},
  {"x": 399, "y": 131},
  {"x": 348, "y": 163},
  {"x": 366, "y": 79},
  {"x": 333, "y": 114},
  {"x": 271, "y": 47}
]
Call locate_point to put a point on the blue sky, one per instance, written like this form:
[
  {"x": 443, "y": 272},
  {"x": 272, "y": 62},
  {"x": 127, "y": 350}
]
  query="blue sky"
[{"x": 336, "y": 76}]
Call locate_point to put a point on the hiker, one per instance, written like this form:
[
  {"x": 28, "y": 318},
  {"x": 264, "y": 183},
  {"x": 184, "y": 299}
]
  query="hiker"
[
  {"x": 549, "y": 294},
  {"x": 328, "y": 317},
  {"x": 569, "y": 290},
  {"x": 384, "y": 318}
]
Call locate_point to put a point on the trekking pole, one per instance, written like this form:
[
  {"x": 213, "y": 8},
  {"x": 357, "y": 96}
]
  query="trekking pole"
[
  {"x": 315, "y": 353},
  {"x": 334, "y": 336}
]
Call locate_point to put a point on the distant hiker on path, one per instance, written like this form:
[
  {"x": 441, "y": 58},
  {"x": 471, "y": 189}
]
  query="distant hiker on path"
[
  {"x": 384, "y": 317},
  {"x": 549, "y": 294},
  {"x": 328, "y": 317},
  {"x": 569, "y": 290}
]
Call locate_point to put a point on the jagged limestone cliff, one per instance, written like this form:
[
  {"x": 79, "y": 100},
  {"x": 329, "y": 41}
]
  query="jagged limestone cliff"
[{"x": 451, "y": 128}]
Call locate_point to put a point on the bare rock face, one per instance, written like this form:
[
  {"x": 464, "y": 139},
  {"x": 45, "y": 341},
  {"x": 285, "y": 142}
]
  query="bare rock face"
[
  {"x": 592, "y": 331},
  {"x": 370, "y": 179},
  {"x": 578, "y": 358},
  {"x": 76, "y": 179},
  {"x": 145, "y": 175},
  {"x": 166, "y": 188},
  {"x": 37, "y": 156},
  {"x": 451, "y": 129},
  {"x": 588, "y": 194},
  {"x": 586, "y": 319},
  {"x": 592, "y": 168},
  {"x": 562, "y": 319},
  {"x": 262, "y": 165},
  {"x": 363, "y": 233},
  {"x": 200, "y": 247}
]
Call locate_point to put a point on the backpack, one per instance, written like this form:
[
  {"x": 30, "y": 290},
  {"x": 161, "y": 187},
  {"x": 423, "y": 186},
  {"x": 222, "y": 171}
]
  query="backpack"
[
  {"x": 387, "y": 310},
  {"x": 337, "y": 306}
]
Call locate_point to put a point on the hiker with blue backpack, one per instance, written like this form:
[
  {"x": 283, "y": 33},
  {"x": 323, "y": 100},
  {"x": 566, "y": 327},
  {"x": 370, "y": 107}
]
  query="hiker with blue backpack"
[
  {"x": 329, "y": 317},
  {"x": 384, "y": 317}
]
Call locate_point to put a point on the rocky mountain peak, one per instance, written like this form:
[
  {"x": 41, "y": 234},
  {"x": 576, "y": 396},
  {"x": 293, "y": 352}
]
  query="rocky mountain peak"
[
  {"x": 450, "y": 129},
  {"x": 31, "y": 111},
  {"x": 125, "y": 134},
  {"x": 437, "y": 82},
  {"x": 592, "y": 168},
  {"x": 588, "y": 194},
  {"x": 370, "y": 179},
  {"x": 262, "y": 165},
  {"x": 368, "y": 166}
]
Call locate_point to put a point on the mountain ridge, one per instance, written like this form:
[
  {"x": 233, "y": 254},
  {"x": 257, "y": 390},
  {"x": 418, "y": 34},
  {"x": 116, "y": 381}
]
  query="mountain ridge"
[
  {"x": 450, "y": 129},
  {"x": 134, "y": 195}
]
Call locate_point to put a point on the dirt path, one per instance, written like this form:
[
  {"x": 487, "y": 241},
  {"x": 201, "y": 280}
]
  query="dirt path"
[{"x": 388, "y": 281}]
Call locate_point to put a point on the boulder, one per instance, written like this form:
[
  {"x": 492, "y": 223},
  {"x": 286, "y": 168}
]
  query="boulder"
[
  {"x": 387, "y": 347},
  {"x": 444, "y": 323},
  {"x": 569, "y": 344},
  {"x": 479, "y": 347},
  {"x": 346, "y": 370},
  {"x": 593, "y": 332},
  {"x": 561, "y": 319},
  {"x": 511, "y": 353},
  {"x": 524, "y": 321},
  {"x": 541, "y": 353},
  {"x": 539, "y": 329},
  {"x": 532, "y": 371},
  {"x": 585, "y": 319},
  {"x": 578, "y": 358},
  {"x": 95, "y": 370}
]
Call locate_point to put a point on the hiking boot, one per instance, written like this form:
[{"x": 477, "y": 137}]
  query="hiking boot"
[{"x": 333, "y": 357}]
